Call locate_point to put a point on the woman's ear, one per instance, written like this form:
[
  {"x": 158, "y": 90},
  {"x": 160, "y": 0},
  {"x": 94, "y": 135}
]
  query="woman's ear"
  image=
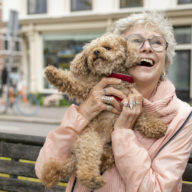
[{"x": 79, "y": 66}]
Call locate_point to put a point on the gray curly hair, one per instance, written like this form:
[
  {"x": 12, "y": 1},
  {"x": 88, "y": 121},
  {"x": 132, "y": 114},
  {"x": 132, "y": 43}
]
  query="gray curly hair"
[{"x": 157, "y": 20}]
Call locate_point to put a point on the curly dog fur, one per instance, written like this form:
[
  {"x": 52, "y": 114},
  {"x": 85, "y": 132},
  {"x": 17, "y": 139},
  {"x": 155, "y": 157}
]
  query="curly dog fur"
[{"x": 92, "y": 151}]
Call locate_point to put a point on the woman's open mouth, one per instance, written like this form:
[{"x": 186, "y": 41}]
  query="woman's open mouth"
[{"x": 146, "y": 62}]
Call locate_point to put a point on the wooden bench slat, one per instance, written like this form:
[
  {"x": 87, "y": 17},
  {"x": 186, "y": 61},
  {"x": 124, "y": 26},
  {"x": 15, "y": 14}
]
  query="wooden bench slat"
[
  {"x": 190, "y": 158},
  {"x": 28, "y": 147},
  {"x": 187, "y": 176},
  {"x": 25, "y": 139},
  {"x": 15, "y": 185},
  {"x": 186, "y": 187},
  {"x": 19, "y": 151},
  {"x": 17, "y": 168}
]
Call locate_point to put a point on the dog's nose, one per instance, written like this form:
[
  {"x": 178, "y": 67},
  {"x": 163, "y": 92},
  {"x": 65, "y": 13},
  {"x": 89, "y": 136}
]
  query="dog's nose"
[{"x": 96, "y": 52}]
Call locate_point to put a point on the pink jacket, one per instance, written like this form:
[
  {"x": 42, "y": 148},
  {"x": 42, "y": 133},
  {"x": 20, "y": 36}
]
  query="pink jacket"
[{"x": 136, "y": 170}]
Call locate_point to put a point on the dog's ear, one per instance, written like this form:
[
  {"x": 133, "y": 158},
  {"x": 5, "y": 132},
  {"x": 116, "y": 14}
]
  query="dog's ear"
[{"x": 79, "y": 66}]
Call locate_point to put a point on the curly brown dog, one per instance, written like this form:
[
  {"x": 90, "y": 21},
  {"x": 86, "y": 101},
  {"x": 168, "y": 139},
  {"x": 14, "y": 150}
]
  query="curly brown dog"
[{"x": 92, "y": 151}]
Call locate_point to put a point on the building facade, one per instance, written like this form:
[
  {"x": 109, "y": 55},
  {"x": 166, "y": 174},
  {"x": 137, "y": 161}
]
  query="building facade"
[
  {"x": 52, "y": 32},
  {"x": 5, "y": 51}
]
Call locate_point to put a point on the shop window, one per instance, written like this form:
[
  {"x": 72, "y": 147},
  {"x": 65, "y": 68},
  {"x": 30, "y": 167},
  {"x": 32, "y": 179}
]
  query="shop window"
[
  {"x": 130, "y": 3},
  {"x": 184, "y": 1},
  {"x": 6, "y": 45},
  {"x": 60, "y": 49},
  {"x": 183, "y": 34},
  {"x": 80, "y": 5},
  {"x": 179, "y": 73},
  {"x": 17, "y": 46},
  {"x": 37, "y": 6}
]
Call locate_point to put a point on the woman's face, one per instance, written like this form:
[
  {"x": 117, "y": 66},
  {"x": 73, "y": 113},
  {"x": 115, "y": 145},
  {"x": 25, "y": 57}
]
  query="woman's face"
[{"x": 147, "y": 73}]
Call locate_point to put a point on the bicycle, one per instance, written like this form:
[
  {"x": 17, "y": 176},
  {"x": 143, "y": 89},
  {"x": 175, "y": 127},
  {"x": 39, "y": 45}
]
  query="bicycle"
[{"x": 25, "y": 104}]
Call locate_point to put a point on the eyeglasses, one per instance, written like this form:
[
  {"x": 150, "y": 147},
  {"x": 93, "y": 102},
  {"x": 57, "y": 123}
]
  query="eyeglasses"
[{"x": 157, "y": 43}]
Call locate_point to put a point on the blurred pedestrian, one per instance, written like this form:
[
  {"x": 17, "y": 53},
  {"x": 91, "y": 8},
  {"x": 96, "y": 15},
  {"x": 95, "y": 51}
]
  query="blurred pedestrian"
[{"x": 4, "y": 77}]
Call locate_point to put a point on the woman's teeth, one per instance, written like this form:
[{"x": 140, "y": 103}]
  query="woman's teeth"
[{"x": 146, "y": 62}]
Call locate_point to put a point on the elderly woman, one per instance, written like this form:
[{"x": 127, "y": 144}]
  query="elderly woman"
[{"x": 141, "y": 164}]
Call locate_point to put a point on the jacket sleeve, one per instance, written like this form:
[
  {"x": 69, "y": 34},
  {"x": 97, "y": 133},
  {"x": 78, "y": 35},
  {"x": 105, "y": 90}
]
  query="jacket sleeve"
[
  {"x": 59, "y": 142},
  {"x": 140, "y": 173}
]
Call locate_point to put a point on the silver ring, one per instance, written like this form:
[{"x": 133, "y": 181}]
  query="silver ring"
[
  {"x": 131, "y": 103},
  {"x": 107, "y": 100},
  {"x": 138, "y": 102},
  {"x": 104, "y": 91},
  {"x": 108, "y": 107},
  {"x": 125, "y": 104}
]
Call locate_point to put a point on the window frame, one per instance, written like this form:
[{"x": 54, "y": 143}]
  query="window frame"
[
  {"x": 179, "y": 2},
  {"x": 186, "y": 47},
  {"x": 77, "y": 10},
  {"x": 29, "y": 12},
  {"x": 6, "y": 45},
  {"x": 137, "y": 6}
]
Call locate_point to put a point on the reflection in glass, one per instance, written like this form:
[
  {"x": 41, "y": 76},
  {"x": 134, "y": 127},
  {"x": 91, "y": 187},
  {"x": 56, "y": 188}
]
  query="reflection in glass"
[
  {"x": 184, "y": 1},
  {"x": 179, "y": 73},
  {"x": 60, "y": 49},
  {"x": 131, "y": 3},
  {"x": 183, "y": 34},
  {"x": 37, "y": 6},
  {"x": 79, "y": 5}
]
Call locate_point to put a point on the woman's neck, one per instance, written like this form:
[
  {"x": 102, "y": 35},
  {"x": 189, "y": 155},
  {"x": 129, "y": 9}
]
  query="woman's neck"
[{"x": 147, "y": 89}]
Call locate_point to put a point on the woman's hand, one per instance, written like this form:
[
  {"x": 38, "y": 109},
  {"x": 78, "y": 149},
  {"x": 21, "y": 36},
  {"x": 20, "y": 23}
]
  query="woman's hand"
[
  {"x": 132, "y": 107},
  {"x": 94, "y": 104}
]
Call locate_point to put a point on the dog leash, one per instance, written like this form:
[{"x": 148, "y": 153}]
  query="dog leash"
[
  {"x": 74, "y": 183},
  {"x": 173, "y": 136}
]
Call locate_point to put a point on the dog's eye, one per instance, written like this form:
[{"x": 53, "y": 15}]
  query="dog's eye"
[{"x": 108, "y": 48}]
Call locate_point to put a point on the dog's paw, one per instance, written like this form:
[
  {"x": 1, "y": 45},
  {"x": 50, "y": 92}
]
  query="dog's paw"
[
  {"x": 91, "y": 181},
  {"x": 150, "y": 126},
  {"x": 51, "y": 174}
]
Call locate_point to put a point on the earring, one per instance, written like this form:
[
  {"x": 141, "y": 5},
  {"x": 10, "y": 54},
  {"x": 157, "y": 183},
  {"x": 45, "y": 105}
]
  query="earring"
[{"x": 163, "y": 76}]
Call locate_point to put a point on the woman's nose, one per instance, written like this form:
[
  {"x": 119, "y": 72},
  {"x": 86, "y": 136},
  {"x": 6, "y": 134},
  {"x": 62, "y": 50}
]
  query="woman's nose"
[{"x": 146, "y": 46}]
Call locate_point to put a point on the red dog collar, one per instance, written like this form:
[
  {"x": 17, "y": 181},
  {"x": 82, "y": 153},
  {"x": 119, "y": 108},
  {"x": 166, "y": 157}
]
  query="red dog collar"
[{"x": 123, "y": 77}]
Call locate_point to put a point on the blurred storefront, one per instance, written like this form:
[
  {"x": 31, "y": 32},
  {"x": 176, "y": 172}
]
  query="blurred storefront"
[{"x": 52, "y": 32}]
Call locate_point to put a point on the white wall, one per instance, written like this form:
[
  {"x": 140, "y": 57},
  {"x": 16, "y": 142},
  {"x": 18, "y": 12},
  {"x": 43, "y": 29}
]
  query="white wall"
[
  {"x": 10, "y": 5},
  {"x": 105, "y": 5},
  {"x": 58, "y": 7},
  {"x": 160, "y": 4}
]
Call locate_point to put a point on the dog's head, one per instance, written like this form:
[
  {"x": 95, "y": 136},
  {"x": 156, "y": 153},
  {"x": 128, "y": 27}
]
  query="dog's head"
[{"x": 105, "y": 55}]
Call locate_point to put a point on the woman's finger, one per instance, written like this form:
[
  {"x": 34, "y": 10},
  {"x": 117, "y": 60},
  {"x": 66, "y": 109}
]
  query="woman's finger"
[
  {"x": 110, "y": 100},
  {"x": 134, "y": 91},
  {"x": 107, "y": 81},
  {"x": 111, "y": 109},
  {"x": 114, "y": 92}
]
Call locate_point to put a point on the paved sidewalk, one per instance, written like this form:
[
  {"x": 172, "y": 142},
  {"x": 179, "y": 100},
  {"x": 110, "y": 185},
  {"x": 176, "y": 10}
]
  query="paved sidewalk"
[{"x": 51, "y": 115}]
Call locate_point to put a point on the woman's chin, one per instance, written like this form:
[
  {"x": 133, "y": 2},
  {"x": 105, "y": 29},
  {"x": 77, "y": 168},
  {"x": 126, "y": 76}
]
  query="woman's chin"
[{"x": 144, "y": 74}]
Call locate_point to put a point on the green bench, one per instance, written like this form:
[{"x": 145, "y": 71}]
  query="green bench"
[{"x": 17, "y": 157}]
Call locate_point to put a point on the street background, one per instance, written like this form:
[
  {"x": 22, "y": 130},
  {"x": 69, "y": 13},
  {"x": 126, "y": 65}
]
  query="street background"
[
  {"x": 46, "y": 120},
  {"x": 38, "y": 33}
]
